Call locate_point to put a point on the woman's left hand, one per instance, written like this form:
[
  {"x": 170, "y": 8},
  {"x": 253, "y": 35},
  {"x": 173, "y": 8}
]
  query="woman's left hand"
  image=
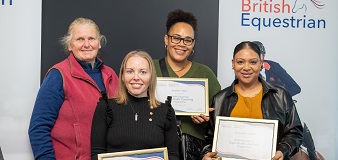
[
  {"x": 211, "y": 156},
  {"x": 199, "y": 119},
  {"x": 278, "y": 156}
]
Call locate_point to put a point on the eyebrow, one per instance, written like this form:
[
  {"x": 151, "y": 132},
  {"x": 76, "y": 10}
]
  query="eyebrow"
[{"x": 181, "y": 36}]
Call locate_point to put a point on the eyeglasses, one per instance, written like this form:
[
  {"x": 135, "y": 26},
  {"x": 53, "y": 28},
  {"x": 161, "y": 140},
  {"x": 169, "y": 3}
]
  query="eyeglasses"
[{"x": 177, "y": 39}]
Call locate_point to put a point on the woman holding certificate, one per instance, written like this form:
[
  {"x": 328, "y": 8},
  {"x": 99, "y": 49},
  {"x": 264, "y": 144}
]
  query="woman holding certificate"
[
  {"x": 134, "y": 120},
  {"x": 179, "y": 42},
  {"x": 249, "y": 96}
]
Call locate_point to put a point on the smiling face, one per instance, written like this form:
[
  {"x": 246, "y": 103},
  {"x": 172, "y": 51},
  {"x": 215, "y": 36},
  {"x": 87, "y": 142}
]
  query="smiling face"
[
  {"x": 179, "y": 52},
  {"x": 85, "y": 43},
  {"x": 247, "y": 65},
  {"x": 136, "y": 76}
]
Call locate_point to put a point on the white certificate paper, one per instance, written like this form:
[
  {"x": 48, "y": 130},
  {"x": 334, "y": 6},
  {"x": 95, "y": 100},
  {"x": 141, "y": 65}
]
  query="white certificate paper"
[
  {"x": 189, "y": 95},
  {"x": 245, "y": 138}
]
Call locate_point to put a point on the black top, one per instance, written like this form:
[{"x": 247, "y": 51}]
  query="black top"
[{"x": 115, "y": 129}]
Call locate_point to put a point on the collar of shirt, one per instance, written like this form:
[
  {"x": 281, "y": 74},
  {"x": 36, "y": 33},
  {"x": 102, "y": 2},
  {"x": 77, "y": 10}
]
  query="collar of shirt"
[{"x": 86, "y": 65}]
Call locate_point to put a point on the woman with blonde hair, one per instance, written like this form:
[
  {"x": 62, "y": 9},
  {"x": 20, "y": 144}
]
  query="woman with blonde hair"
[{"x": 135, "y": 119}]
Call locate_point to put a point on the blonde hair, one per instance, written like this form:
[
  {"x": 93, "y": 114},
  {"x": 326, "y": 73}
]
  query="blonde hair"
[
  {"x": 65, "y": 40},
  {"x": 122, "y": 89}
]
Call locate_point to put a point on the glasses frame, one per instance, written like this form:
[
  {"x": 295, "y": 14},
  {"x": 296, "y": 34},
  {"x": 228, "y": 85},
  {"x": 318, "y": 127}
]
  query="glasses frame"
[{"x": 171, "y": 40}]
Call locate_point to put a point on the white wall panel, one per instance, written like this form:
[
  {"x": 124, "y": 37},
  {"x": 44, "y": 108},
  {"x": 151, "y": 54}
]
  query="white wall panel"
[{"x": 20, "y": 30}]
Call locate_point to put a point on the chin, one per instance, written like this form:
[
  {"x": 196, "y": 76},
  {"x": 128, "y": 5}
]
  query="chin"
[
  {"x": 135, "y": 94},
  {"x": 245, "y": 80}
]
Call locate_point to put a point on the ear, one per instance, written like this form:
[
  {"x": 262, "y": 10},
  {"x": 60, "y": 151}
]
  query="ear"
[
  {"x": 232, "y": 62},
  {"x": 166, "y": 39},
  {"x": 69, "y": 47},
  {"x": 262, "y": 57}
]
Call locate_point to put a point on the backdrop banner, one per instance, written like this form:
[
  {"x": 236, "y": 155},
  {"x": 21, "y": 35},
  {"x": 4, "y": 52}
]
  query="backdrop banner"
[{"x": 300, "y": 39}]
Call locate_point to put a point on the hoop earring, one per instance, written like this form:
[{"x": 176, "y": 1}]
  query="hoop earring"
[{"x": 192, "y": 52}]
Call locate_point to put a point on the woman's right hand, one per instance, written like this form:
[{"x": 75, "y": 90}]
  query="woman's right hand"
[{"x": 211, "y": 156}]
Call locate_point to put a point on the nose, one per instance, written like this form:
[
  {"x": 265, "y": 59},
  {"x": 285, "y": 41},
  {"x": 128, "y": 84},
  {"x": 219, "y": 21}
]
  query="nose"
[
  {"x": 86, "y": 43},
  {"x": 136, "y": 77},
  {"x": 246, "y": 66},
  {"x": 181, "y": 42}
]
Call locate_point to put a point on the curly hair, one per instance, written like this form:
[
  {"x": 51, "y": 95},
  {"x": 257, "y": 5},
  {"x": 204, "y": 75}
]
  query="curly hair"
[{"x": 179, "y": 15}]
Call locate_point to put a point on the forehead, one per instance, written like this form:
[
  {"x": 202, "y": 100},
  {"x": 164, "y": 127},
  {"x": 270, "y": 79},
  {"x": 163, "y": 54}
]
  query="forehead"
[
  {"x": 137, "y": 61},
  {"x": 182, "y": 28},
  {"x": 84, "y": 29},
  {"x": 246, "y": 53}
]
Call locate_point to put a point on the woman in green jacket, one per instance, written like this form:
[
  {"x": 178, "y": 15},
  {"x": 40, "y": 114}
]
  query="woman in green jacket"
[{"x": 179, "y": 45}]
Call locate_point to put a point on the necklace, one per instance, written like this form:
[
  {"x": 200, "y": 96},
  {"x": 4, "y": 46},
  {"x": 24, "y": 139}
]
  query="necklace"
[
  {"x": 136, "y": 115},
  {"x": 252, "y": 93},
  {"x": 182, "y": 68}
]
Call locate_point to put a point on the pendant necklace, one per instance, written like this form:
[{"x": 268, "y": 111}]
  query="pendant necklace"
[
  {"x": 136, "y": 115},
  {"x": 182, "y": 68}
]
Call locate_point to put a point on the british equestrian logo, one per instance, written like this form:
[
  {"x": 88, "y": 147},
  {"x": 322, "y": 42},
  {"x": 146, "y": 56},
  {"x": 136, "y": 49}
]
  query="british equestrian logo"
[
  {"x": 282, "y": 14},
  {"x": 303, "y": 5}
]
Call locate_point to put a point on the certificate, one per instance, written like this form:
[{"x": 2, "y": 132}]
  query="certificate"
[
  {"x": 189, "y": 95},
  {"x": 149, "y": 154},
  {"x": 245, "y": 138}
]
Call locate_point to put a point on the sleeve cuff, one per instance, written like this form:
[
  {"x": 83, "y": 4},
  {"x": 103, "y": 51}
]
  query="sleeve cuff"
[{"x": 285, "y": 149}]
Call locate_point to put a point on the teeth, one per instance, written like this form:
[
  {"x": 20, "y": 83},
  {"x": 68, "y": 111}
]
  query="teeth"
[
  {"x": 246, "y": 75},
  {"x": 180, "y": 51}
]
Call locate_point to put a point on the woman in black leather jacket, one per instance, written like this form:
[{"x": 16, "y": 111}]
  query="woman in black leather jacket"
[{"x": 251, "y": 97}]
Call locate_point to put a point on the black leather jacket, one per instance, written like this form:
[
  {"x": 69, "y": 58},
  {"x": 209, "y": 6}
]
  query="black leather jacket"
[{"x": 277, "y": 104}]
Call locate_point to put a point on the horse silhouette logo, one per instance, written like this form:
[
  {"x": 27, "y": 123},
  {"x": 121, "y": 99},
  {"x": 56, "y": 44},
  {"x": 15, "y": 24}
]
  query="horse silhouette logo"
[{"x": 304, "y": 4}]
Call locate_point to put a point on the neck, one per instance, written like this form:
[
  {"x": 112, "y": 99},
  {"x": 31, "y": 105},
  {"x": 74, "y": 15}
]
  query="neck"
[
  {"x": 245, "y": 87},
  {"x": 249, "y": 90},
  {"x": 139, "y": 95},
  {"x": 178, "y": 66}
]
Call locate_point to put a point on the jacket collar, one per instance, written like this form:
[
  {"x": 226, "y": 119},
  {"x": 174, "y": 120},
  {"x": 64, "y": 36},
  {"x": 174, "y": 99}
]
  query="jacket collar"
[
  {"x": 98, "y": 63},
  {"x": 267, "y": 86},
  {"x": 76, "y": 69}
]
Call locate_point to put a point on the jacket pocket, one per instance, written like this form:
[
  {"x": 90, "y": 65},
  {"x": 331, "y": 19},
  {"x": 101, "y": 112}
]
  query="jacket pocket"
[{"x": 78, "y": 139}]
